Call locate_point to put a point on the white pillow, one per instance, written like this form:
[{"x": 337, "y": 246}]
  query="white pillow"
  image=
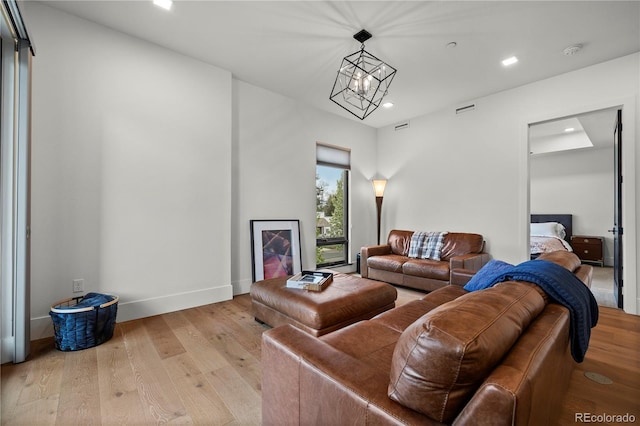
[{"x": 547, "y": 229}]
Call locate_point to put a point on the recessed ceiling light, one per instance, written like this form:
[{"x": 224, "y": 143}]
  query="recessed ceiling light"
[
  {"x": 387, "y": 104},
  {"x": 569, "y": 129},
  {"x": 510, "y": 61},
  {"x": 165, "y": 4}
]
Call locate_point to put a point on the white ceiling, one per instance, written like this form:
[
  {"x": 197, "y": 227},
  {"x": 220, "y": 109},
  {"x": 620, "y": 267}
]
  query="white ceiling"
[
  {"x": 295, "y": 47},
  {"x": 590, "y": 130}
]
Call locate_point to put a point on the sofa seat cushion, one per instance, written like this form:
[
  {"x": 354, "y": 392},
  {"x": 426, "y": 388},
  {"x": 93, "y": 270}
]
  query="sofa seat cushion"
[
  {"x": 443, "y": 357},
  {"x": 427, "y": 268},
  {"x": 389, "y": 262},
  {"x": 403, "y": 316},
  {"x": 365, "y": 340}
]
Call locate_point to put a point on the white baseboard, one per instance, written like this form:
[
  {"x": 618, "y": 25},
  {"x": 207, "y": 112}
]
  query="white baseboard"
[
  {"x": 42, "y": 327},
  {"x": 241, "y": 287},
  {"x": 346, "y": 269}
]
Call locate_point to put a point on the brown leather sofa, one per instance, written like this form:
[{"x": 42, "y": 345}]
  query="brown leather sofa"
[
  {"x": 499, "y": 356},
  {"x": 390, "y": 262}
]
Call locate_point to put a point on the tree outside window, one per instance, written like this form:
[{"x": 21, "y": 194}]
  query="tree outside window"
[{"x": 331, "y": 214}]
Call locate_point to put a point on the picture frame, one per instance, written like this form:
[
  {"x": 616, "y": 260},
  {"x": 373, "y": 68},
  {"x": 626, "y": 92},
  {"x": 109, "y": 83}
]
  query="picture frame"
[{"x": 275, "y": 248}]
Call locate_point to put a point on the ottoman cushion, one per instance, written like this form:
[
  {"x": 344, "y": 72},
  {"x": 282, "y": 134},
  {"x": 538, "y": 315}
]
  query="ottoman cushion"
[{"x": 344, "y": 301}]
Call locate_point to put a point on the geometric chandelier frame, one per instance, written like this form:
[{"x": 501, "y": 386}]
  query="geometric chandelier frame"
[{"x": 362, "y": 81}]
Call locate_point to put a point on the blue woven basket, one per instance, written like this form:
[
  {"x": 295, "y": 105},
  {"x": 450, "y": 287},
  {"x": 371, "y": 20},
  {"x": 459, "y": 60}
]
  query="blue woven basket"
[{"x": 84, "y": 322}]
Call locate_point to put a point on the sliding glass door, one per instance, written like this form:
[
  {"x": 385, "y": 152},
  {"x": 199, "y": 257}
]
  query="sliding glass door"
[{"x": 15, "y": 57}]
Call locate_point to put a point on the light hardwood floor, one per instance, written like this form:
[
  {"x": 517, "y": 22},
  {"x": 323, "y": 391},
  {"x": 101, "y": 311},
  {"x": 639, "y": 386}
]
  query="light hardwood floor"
[{"x": 202, "y": 366}]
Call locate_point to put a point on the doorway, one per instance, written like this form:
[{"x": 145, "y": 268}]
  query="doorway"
[{"x": 571, "y": 171}]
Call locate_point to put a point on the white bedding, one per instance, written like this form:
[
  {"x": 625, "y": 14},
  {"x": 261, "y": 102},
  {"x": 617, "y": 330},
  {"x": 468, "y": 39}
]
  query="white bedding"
[{"x": 542, "y": 244}]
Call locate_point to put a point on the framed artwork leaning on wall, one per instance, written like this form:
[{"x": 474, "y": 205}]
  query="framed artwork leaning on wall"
[{"x": 275, "y": 248}]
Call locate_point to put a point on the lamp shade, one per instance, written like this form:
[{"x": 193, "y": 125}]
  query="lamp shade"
[{"x": 378, "y": 186}]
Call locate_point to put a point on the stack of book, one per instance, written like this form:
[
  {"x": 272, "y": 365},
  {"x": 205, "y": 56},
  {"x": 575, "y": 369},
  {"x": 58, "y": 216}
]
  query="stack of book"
[{"x": 310, "y": 280}]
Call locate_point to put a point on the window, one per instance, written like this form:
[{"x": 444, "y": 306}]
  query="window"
[{"x": 332, "y": 201}]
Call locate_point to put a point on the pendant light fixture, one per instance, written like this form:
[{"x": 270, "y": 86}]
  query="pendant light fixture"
[{"x": 362, "y": 80}]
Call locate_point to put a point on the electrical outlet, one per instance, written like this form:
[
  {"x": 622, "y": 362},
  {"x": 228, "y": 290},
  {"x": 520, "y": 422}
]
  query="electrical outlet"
[{"x": 78, "y": 286}]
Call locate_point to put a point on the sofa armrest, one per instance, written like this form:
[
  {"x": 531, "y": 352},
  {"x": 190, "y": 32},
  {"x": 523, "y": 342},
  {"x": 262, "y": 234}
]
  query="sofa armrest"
[
  {"x": 585, "y": 273},
  {"x": 535, "y": 374},
  {"x": 471, "y": 261},
  {"x": 461, "y": 277},
  {"x": 462, "y": 268},
  {"x": 307, "y": 381},
  {"x": 366, "y": 252},
  {"x": 284, "y": 350},
  {"x": 296, "y": 369}
]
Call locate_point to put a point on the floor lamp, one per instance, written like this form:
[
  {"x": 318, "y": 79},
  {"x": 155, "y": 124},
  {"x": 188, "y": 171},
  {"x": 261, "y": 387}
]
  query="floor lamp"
[{"x": 378, "y": 187}]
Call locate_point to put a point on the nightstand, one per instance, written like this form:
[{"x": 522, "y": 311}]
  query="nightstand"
[{"x": 588, "y": 248}]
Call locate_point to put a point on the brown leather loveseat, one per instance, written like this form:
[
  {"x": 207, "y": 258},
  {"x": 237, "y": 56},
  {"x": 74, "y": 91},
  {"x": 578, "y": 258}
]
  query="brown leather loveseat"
[
  {"x": 390, "y": 262},
  {"x": 499, "y": 356}
]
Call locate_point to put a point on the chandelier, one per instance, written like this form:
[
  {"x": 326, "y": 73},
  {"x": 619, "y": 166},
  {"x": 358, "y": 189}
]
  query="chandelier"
[{"x": 362, "y": 80}]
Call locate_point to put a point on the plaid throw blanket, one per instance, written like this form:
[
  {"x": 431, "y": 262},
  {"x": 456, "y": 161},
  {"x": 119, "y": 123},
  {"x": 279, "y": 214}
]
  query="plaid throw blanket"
[{"x": 426, "y": 245}]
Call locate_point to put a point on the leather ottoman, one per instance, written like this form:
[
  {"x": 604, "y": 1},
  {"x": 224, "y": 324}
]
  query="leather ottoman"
[{"x": 346, "y": 300}]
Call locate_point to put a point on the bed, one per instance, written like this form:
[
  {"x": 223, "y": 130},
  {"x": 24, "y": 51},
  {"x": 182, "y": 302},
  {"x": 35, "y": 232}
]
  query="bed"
[{"x": 550, "y": 232}]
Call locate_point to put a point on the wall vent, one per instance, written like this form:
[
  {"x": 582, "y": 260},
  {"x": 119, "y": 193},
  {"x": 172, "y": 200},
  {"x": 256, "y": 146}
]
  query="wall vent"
[
  {"x": 465, "y": 108},
  {"x": 402, "y": 126}
]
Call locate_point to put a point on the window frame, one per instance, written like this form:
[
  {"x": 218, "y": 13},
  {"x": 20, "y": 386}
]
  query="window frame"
[{"x": 338, "y": 158}]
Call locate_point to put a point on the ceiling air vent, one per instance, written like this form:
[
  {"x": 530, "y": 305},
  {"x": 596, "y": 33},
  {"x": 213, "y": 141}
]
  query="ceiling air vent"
[
  {"x": 402, "y": 126},
  {"x": 465, "y": 108}
]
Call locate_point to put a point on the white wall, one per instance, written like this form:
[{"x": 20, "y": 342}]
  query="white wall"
[
  {"x": 579, "y": 182},
  {"x": 131, "y": 171},
  {"x": 149, "y": 165},
  {"x": 469, "y": 172},
  {"x": 274, "y": 140}
]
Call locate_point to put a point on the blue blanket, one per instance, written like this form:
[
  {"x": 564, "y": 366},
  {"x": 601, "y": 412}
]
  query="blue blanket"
[{"x": 563, "y": 287}]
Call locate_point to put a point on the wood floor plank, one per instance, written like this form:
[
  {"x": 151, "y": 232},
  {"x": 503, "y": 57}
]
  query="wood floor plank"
[
  {"x": 244, "y": 327},
  {"x": 160, "y": 400},
  {"x": 244, "y": 402},
  {"x": 165, "y": 342},
  {"x": 45, "y": 377},
  {"x": 12, "y": 382},
  {"x": 37, "y": 403},
  {"x": 79, "y": 402},
  {"x": 215, "y": 379},
  {"x": 119, "y": 399},
  {"x": 613, "y": 353},
  {"x": 203, "y": 403},
  {"x": 40, "y": 412},
  {"x": 201, "y": 350},
  {"x": 208, "y": 320}
]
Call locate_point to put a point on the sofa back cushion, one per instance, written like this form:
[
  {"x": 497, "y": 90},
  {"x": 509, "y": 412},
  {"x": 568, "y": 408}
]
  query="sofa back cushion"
[
  {"x": 460, "y": 243},
  {"x": 455, "y": 243},
  {"x": 442, "y": 358},
  {"x": 566, "y": 259},
  {"x": 400, "y": 241}
]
